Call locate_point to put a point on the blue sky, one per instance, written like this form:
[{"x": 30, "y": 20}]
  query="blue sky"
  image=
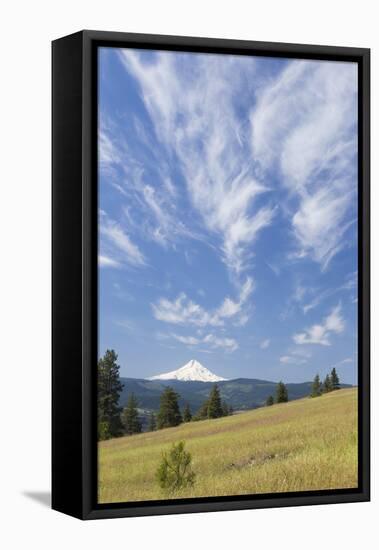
[{"x": 228, "y": 214}]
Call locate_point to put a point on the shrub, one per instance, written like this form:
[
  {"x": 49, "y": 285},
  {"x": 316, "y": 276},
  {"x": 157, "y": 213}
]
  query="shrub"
[
  {"x": 175, "y": 472},
  {"x": 103, "y": 431}
]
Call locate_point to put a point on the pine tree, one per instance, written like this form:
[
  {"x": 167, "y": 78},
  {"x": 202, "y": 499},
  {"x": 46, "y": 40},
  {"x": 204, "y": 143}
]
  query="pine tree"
[
  {"x": 225, "y": 409},
  {"x": 202, "y": 413},
  {"x": 214, "y": 403},
  {"x": 327, "y": 385},
  {"x": 281, "y": 393},
  {"x": 316, "y": 387},
  {"x": 169, "y": 413},
  {"x": 175, "y": 471},
  {"x": 269, "y": 401},
  {"x": 152, "y": 423},
  {"x": 335, "y": 381},
  {"x": 109, "y": 388},
  {"x": 187, "y": 416},
  {"x": 130, "y": 417}
]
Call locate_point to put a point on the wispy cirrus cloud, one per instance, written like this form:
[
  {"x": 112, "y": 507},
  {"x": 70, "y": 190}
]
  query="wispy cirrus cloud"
[
  {"x": 304, "y": 130},
  {"x": 106, "y": 261},
  {"x": 184, "y": 311},
  {"x": 320, "y": 333},
  {"x": 265, "y": 343},
  {"x": 211, "y": 340},
  {"x": 165, "y": 227},
  {"x": 343, "y": 362},
  {"x": 108, "y": 152},
  {"x": 187, "y": 340},
  {"x": 292, "y": 360},
  {"x": 228, "y": 344},
  {"x": 193, "y": 106},
  {"x": 231, "y": 308},
  {"x": 116, "y": 246},
  {"x": 296, "y": 356},
  {"x": 144, "y": 181},
  {"x": 316, "y": 296}
]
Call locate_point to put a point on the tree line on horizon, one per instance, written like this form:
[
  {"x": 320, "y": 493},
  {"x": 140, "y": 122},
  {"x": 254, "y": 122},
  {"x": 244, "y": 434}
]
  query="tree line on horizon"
[
  {"x": 331, "y": 383},
  {"x": 116, "y": 421},
  {"x": 169, "y": 414},
  {"x": 281, "y": 395}
]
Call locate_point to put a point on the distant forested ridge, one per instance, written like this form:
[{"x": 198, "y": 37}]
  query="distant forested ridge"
[{"x": 241, "y": 393}]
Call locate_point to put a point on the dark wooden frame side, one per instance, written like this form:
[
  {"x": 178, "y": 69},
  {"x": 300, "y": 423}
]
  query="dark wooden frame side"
[{"x": 74, "y": 272}]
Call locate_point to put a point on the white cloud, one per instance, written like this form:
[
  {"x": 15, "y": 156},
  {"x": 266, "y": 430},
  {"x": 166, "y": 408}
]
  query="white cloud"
[
  {"x": 108, "y": 152},
  {"x": 299, "y": 293},
  {"x": 320, "y": 295},
  {"x": 296, "y": 356},
  {"x": 241, "y": 321},
  {"x": 265, "y": 343},
  {"x": 167, "y": 227},
  {"x": 145, "y": 181},
  {"x": 319, "y": 223},
  {"x": 114, "y": 237},
  {"x": 230, "y": 308},
  {"x": 351, "y": 281},
  {"x": 274, "y": 268},
  {"x": 320, "y": 333},
  {"x": 192, "y": 104},
  {"x": 291, "y": 360},
  {"x": 301, "y": 352},
  {"x": 314, "y": 303},
  {"x": 304, "y": 128},
  {"x": 188, "y": 340},
  {"x": 125, "y": 324},
  {"x": 184, "y": 311},
  {"x": 229, "y": 344},
  {"x": 106, "y": 261},
  {"x": 214, "y": 342}
]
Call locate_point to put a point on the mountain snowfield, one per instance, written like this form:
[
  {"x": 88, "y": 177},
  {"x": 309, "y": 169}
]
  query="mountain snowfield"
[{"x": 192, "y": 371}]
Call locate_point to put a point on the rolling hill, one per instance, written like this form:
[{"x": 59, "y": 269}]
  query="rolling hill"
[{"x": 307, "y": 444}]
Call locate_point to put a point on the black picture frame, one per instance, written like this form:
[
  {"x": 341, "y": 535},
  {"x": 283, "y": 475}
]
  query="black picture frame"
[{"x": 74, "y": 273}]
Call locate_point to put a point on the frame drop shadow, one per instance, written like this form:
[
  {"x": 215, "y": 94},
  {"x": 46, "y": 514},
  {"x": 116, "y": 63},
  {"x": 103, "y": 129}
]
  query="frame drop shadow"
[{"x": 41, "y": 497}]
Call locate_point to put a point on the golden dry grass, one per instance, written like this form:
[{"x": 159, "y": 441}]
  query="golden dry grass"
[{"x": 308, "y": 444}]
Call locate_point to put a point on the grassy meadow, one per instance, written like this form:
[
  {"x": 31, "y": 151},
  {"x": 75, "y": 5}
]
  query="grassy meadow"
[{"x": 307, "y": 444}]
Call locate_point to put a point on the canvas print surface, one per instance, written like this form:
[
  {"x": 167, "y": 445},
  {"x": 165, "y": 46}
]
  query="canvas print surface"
[{"x": 227, "y": 268}]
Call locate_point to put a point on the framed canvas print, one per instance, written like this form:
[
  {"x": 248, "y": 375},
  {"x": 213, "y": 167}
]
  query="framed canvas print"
[{"x": 210, "y": 275}]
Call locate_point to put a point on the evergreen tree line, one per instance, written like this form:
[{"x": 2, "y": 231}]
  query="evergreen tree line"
[
  {"x": 331, "y": 383},
  {"x": 114, "y": 421},
  {"x": 169, "y": 413},
  {"x": 213, "y": 407},
  {"x": 281, "y": 395}
]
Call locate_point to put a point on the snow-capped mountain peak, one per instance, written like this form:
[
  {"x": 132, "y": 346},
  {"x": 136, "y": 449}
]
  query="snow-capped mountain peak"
[{"x": 191, "y": 371}]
